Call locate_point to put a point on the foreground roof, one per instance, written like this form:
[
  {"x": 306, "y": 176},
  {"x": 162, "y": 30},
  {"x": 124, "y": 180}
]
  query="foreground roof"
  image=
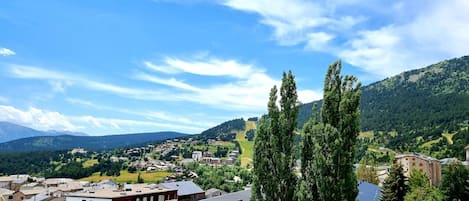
[
  {"x": 236, "y": 196},
  {"x": 184, "y": 187}
]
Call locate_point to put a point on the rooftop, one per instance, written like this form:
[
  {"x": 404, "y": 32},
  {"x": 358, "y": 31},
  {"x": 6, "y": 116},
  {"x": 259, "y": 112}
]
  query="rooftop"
[
  {"x": 236, "y": 196},
  {"x": 184, "y": 187},
  {"x": 416, "y": 155},
  {"x": 137, "y": 189}
]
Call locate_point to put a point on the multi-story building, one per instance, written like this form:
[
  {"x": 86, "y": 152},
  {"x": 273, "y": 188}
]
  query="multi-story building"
[
  {"x": 430, "y": 166},
  {"x": 137, "y": 192}
]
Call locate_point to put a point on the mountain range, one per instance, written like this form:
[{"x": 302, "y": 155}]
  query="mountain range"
[{"x": 402, "y": 112}]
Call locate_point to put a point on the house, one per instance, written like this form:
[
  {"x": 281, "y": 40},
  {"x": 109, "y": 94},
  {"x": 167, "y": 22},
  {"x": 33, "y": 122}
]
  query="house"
[
  {"x": 197, "y": 155},
  {"x": 6, "y": 181},
  {"x": 6, "y": 195},
  {"x": 78, "y": 151},
  {"x": 429, "y": 165},
  {"x": 213, "y": 192},
  {"x": 137, "y": 192},
  {"x": 368, "y": 191},
  {"x": 186, "y": 190},
  {"x": 236, "y": 196}
]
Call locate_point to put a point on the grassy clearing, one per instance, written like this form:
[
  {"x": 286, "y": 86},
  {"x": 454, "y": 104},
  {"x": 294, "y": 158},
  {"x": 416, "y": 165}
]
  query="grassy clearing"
[
  {"x": 449, "y": 137},
  {"x": 90, "y": 163},
  {"x": 126, "y": 177},
  {"x": 367, "y": 134},
  {"x": 246, "y": 146},
  {"x": 430, "y": 143}
]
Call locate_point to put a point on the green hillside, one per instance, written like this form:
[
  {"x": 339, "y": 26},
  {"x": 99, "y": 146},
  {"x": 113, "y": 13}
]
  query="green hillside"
[
  {"x": 65, "y": 142},
  {"x": 413, "y": 110}
]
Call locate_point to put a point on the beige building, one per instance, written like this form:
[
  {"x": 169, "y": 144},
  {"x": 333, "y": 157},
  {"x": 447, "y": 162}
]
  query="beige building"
[{"x": 430, "y": 166}]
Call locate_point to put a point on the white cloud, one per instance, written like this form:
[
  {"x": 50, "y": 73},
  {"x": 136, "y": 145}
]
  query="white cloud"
[
  {"x": 203, "y": 66},
  {"x": 6, "y": 52},
  {"x": 404, "y": 35},
  {"x": 36, "y": 118},
  {"x": 159, "y": 115},
  {"x": 248, "y": 92},
  {"x": 49, "y": 120},
  {"x": 172, "y": 82}
]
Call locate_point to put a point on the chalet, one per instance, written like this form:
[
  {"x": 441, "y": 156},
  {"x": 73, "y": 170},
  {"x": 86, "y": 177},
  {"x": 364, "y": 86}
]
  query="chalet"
[
  {"x": 137, "y": 192},
  {"x": 186, "y": 190}
]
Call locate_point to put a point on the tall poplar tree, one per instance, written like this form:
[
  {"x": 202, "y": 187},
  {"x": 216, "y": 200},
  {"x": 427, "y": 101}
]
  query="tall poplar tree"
[
  {"x": 274, "y": 157},
  {"x": 331, "y": 175}
]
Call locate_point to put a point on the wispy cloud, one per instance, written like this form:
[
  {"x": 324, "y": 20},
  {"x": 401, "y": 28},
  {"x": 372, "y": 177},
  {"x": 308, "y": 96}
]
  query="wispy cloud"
[
  {"x": 248, "y": 93},
  {"x": 6, "y": 52},
  {"x": 49, "y": 120},
  {"x": 204, "y": 65},
  {"x": 148, "y": 114},
  {"x": 249, "y": 90},
  {"x": 401, "y": 40}
]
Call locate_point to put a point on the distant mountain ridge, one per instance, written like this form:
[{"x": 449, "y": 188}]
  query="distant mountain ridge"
[
  {"x": 65, "y": 142},
  {"x": 10, "y": 131}
]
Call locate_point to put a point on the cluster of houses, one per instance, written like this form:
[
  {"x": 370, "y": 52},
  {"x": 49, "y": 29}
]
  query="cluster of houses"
[
  {"x": 26, "y": 188},
  {"x": 207, "y": 158}
]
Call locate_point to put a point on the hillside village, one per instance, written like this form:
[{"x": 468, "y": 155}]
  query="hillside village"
[{"x": 176, "y": 156}]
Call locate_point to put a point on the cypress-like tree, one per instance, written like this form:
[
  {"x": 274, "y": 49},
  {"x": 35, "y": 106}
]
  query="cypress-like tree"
[
  {"x": 274, "y": 157},
  {"x": 333, "y": 140},
  {"x": 455, "y": 182},
  {"x": 394, "y": 187}
]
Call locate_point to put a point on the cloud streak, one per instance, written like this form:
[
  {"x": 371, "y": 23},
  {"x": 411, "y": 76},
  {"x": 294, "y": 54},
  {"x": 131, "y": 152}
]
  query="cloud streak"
[{"x": 45, "y": 120}]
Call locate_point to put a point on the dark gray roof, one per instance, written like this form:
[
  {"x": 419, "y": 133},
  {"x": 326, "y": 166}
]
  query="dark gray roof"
[
  {"x": 184, "y": 187},
  {"x": 236, "y": 196},
  {"x": 368, "y": 191}
]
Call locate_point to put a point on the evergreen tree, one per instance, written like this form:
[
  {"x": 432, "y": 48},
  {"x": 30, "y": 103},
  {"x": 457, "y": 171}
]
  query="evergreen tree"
[
  {"x": 421, "y": 189},
  {"x": 274, "y": 157},
  {"x": 333, "y": 140},
  {"x": 455, "y": 182},
  {"x": 394, "y": 187}
]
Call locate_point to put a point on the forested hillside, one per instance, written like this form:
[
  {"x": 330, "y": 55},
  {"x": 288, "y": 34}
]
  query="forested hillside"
[
  {"x": 423, "y": 110},
  {"x": 65, "y": 142}
]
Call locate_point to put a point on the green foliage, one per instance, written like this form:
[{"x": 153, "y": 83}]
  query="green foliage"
[
  {"x": 394, "y": 187},
  {"x": 367, "y": 172},
  {"x": 220, "y": 177},
  {"x": 455, "y": 182},
  {"x": 328, "y": 147},
  {"x": 421, "y": 189},
  {"x": 274, "y": 155},
  {"x": 419, "y": 103}
]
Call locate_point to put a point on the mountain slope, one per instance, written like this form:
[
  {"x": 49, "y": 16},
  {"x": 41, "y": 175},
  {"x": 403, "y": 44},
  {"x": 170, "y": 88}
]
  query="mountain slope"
[
  {"x": 64, "y": 142},
  {"x": 409, "y": 110},
  {"x": 10, "y": 131},
  {"x": 437, "y": 95}
]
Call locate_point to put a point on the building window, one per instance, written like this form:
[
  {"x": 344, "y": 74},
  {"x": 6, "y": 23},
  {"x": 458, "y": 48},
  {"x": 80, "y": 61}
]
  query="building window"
[
  {"x": 413, "y": 164},
  {"x": 421, "y": 164},
  {"x": 144, "y": 198},
  {"x": 161, "y": 198}
]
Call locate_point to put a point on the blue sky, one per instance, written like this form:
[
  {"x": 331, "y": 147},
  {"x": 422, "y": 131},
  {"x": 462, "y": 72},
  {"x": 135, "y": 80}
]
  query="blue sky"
[{"x": 108, "y": 67}]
